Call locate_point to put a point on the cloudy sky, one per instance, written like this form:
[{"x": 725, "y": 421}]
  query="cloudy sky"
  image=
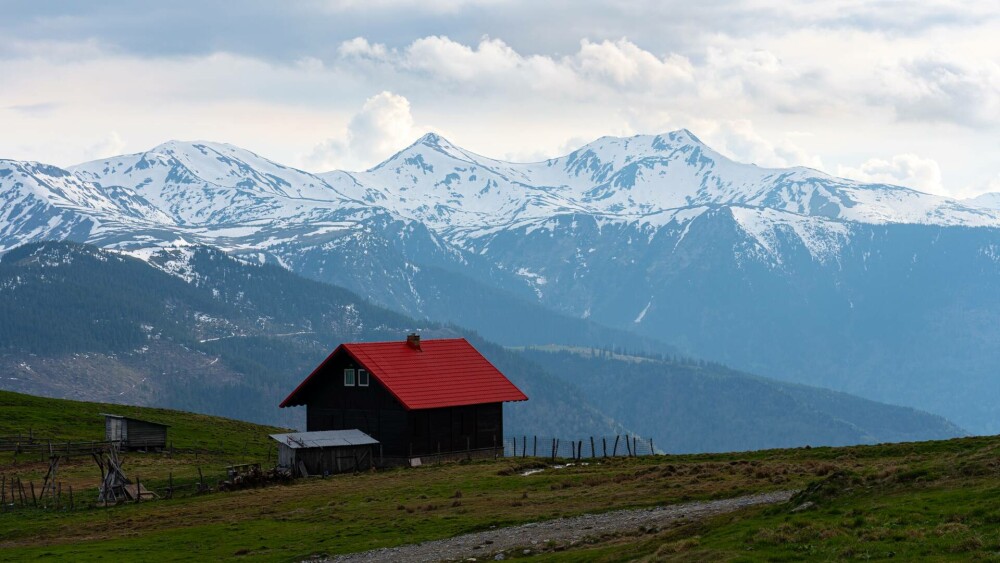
[{"x": 891, "y": 91}]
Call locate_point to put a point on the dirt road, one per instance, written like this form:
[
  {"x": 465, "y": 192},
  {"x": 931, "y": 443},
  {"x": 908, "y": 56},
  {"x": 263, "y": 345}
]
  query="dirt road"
[{"x": 492, "y": 544}]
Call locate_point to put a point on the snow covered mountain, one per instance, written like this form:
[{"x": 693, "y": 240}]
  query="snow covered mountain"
[
  {"x": 43, "y": 202},
  {"x": 219, "y": 194},
  {"x": 873, "y": 289},
  {"x": 990, "y": 200},
  {"x": 649, "y": 179},
  {"x": 213, "y": 184}
]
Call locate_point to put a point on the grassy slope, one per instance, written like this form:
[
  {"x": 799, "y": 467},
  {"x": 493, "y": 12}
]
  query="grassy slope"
[
  {"x": 81, "y": 421},
  {"x": 919, "y": 501},
  {"x": 932, "y": 499}
]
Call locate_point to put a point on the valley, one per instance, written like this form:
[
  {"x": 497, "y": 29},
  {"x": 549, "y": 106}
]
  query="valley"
[
  {"x": 196, "y": 329},
  {"x": 655, "y": 243}
]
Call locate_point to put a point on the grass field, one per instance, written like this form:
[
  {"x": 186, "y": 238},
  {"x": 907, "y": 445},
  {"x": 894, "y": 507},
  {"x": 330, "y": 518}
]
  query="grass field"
[{"x": 936, "y": 500}]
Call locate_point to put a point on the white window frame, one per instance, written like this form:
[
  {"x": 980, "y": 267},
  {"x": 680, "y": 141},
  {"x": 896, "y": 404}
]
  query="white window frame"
[
  {"x": 350, "y": 379},
  {"x": 367, "y": 378}
]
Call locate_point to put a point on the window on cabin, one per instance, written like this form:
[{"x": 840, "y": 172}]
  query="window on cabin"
[
  {"x": 349, "y": 377},
  {"x": 362, "y": 378}
]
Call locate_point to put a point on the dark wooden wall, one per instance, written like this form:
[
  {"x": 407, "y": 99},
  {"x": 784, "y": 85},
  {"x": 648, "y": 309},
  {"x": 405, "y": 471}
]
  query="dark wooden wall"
[
  {"x": 142, "y": 434},
  {"x": 454, "y": 429},
  {"x": 373, "y": 410}
]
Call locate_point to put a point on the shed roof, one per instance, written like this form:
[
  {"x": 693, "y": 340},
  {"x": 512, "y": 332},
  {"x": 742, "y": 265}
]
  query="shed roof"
[
  {"x": 123, "y": 417},
  {"x": 325, "y": 439},
  {"x": 445, "y": 372}
]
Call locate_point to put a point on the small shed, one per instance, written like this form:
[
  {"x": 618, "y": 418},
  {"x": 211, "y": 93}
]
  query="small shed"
[
  {"x": 326, "y": 452},
  {"x": 134, "y": 434}
]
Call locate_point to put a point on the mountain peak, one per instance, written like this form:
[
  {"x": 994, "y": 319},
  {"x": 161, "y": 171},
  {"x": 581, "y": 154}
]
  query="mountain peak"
[
  {"x": 435, "y": 141},
  {"x": 430, "y": 139},
  {"x": 684, "y": 135},
  {"x": 199, "y": 148}
]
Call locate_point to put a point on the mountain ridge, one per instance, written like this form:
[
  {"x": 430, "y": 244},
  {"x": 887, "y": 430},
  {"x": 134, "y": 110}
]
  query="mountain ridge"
[
  {"x": 657, "y": 236},
  {"x": 233, "y": 338}
]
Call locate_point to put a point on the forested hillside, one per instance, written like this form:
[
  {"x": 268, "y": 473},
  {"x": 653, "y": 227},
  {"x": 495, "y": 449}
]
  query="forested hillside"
[
  {"x": 195, "y": 329},
  {"x": 697, "y": 406},
  {"x": 232, "y": 340}
]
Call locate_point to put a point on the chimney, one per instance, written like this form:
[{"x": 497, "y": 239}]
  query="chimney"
[{"x": 413, "y": 341}]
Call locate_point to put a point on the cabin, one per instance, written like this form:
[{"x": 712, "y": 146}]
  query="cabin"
[
  {"x": 436, "y": 398},
  {"x": 326, "y": 452},
  {"x": 133, "y": 434}
]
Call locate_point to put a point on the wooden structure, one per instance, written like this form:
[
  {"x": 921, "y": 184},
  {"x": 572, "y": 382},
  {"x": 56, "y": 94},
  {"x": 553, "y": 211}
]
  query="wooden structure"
[
  {"x": 326, "y": 452},
  {"x": 418, "y": 399},
  {"x": 133, "y": 434},
  {"x": 115, "y": 487}
]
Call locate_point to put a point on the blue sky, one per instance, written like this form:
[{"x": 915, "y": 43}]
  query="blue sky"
[{"x": 902, "y": 92}]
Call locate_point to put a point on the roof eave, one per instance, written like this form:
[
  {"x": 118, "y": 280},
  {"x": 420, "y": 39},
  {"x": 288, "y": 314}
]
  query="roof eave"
[{"x": 290, "y": 400}]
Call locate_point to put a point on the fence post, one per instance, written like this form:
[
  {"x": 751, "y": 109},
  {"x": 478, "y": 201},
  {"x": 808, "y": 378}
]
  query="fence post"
[
  {"x": 535, "y": 452},
  {"x": 604, "y": 445},
  {"x": 635, "y": 444},
  {"x": 553, "y": 449},
  {"x": 628, "y": 446},
  {"x": 524, "y": 446},
  {"x": 592, "y": 452},
  {"x": 515, "y": 446},
  {"x": 614, "y": 453},
  {"x": 651, "y": 450}
]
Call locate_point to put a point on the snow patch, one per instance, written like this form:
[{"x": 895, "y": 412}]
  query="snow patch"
[{"x": 642, "y": 314}]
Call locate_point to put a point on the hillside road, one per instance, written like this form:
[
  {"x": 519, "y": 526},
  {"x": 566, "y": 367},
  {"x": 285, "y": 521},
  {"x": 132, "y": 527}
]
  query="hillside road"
[{"x": 492, "y": 544}]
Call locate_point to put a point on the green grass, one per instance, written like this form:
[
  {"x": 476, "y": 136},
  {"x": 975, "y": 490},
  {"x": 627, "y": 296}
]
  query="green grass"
[
  {"x": 80, "y": 421},
  {"x": 931, "y": 500},
  {"x": 935, "y": 501}
]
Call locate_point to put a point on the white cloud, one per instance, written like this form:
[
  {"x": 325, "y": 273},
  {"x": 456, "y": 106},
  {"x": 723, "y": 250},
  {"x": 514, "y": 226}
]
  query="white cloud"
[
  {"x": 623, "y": 63},
  {"x": 491, "y": 67},
  {"x": 492, "y": 64},
  {"x": 360, "y": 47},
  {"x": 994, "y": 184},
  {"x": 310, "y": 64},
  {"x": 739, "y": 140},
  {"x": 408, "y": 6},
  {"x": 937, "y": 88},
  {"x": 909, "y": 170},
  {"x": 859, "y": 91},
  {"x": 111, "y": 145},
  {"x": 383, "y": 126},
  {"x": 990, "y": 189}
]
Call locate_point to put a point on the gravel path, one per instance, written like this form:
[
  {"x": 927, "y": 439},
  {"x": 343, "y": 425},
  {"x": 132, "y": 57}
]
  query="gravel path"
[{"x": 484, "y": 545}]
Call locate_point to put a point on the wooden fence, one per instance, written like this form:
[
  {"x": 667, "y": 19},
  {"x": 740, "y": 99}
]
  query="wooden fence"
[
  {"x": 48, "y": 448},
  {"x": 590, "y": 447}
]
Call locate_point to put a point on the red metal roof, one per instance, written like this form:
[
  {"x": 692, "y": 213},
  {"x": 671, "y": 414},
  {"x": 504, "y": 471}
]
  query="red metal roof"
[{"x": 446, "y": 372}]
